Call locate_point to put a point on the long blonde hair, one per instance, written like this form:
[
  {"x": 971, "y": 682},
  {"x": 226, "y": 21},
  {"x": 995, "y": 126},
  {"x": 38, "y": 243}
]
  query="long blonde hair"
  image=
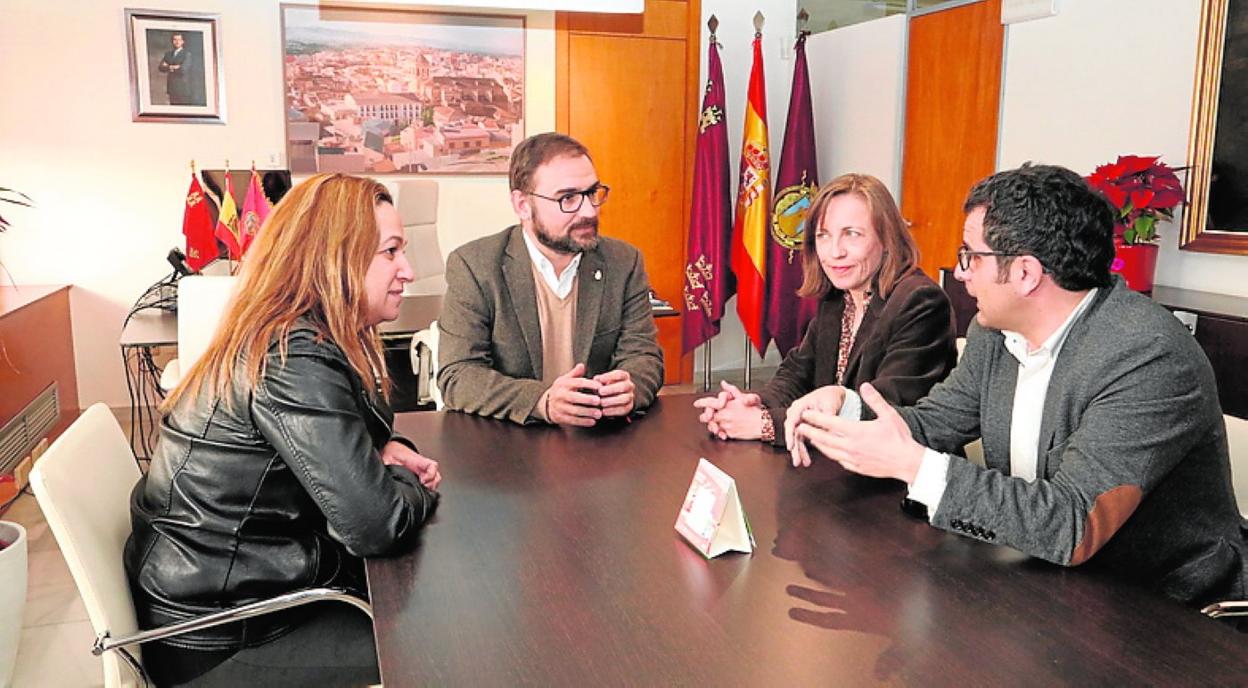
[
  {"x": 900, "y": 252},
  {"x": 309, "y": 259}
]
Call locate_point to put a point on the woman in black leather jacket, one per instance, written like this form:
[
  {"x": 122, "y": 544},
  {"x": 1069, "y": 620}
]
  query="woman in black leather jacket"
[{"x": 277, "y": 467}]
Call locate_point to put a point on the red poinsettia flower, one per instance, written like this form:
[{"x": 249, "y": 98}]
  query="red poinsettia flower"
[{"x": 1142, "y": 189}]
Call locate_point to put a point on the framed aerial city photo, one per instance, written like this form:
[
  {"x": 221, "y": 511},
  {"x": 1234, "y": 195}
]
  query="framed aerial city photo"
[
  {"x": 175, "y": 66},
  {"x": 396, "y": 91}
]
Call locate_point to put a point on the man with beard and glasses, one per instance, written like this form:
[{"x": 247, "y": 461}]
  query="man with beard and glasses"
[{"x": 546, "y": 321}]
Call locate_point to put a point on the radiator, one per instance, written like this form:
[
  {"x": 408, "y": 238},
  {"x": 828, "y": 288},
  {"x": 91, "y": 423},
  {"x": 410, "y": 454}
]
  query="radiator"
[{"x": 30, "y": 425}]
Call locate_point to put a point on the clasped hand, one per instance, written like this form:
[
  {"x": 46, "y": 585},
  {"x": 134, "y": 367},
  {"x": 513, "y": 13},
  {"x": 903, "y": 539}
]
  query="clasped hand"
[
  {"x": 732, "y": 414},
  {"x": 582, "y": 401},
  {"x": 880, "y": 448},
  {"x": 426, "y": 469}
]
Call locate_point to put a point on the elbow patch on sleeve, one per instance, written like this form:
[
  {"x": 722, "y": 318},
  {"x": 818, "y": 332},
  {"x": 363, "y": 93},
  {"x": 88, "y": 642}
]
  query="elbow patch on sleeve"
[{"x": 1111, "y": 509}]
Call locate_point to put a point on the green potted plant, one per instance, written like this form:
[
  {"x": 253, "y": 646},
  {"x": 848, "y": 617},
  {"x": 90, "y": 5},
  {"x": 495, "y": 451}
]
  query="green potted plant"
[{"x": 1143, "y": 190}]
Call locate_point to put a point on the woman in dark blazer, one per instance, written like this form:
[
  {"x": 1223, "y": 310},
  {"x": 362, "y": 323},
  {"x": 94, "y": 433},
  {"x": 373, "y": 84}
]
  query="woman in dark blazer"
[{"x": 880, "y": 319}]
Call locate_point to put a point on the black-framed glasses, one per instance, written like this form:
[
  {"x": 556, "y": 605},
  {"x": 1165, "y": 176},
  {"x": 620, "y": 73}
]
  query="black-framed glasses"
[
  {"x": 572, "y": 201},
  {"x": 965, "y": 255}
]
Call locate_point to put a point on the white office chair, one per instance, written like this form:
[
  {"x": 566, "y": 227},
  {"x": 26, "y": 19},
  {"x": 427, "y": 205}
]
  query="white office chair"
[
  {"x": 1237, "y": 441},
  {"x": 417, "y": 203},
  {"x": 83, "y": 484},
  {"x": 424, "y": 353},
  {"x": 202, "y": 300}
]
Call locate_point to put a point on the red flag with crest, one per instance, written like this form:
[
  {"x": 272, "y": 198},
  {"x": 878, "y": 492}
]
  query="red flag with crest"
[
  {"x": 201, "y": 245},
  {"x": 797, "y": 181},
  {"x": 708, "y": 282},
  {"x": 255, "y": 209}
]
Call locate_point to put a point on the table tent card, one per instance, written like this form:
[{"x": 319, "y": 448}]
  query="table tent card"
[{"x": 712, "y": 518}]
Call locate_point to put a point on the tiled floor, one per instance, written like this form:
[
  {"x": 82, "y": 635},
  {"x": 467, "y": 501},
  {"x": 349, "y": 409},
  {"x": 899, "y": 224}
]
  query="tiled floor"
[{"x": 55, "y": 649}]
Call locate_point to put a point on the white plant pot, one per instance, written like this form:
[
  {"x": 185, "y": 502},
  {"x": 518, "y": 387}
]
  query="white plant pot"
[{"x": 12, "y": 596}]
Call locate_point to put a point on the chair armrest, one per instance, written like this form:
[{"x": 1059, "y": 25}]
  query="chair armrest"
[
  {"x": 1230, "y": 608},
  {"x": 104, "y": 642}
]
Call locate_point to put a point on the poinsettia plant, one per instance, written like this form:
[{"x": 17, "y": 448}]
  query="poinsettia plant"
[{"x": 1143, "y": 189}]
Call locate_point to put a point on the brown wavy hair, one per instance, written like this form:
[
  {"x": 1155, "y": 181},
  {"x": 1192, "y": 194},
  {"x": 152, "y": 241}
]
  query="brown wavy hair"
[
  {"x": 309, "y": 259},
  {"x": 900, "y": 252}
]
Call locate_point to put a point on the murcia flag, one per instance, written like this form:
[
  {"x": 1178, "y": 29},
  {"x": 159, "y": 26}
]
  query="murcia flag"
[
  {"x": 797, "y": 181},
  {"x": 201, "y": 245},
  {"x": 749, "y": 230},
  {"x": 708, "y": 283}
]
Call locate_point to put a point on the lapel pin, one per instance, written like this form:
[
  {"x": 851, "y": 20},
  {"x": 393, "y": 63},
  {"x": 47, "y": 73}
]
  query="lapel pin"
[{"x": 597, "y": 274}]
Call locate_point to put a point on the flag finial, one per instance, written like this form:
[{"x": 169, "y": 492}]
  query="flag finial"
[
  {"x": 802, "y": 18},
  {"x": 758, "y": 24},
  {"x": 713, "y": 25},
  {"x": 192, "y": 166},
  {"x": 227, "y": 165}
]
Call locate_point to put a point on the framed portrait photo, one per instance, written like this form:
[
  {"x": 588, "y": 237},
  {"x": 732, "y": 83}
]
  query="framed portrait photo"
[{"x": 175, "y": 66}]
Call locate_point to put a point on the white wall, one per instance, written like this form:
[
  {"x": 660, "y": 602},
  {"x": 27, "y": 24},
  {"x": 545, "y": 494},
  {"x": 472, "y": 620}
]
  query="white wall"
[
  {"x": 1109, "y": 77},
  {"x": 857, "y": 77},
  {"x": 110, "y": 191}
]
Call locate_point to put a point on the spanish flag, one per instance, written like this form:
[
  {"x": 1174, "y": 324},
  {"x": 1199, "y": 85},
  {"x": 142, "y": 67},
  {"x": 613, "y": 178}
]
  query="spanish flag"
[
  {"x": 750, "y": 230},
  {"x": 227, "y": 222}
]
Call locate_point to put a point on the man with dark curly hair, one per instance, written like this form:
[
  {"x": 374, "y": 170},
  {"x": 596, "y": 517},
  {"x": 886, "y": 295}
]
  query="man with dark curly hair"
[{"x": 1103, "y": 438}]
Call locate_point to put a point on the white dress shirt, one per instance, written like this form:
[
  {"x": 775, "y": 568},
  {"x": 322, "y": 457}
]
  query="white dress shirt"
[
  {"x": 560, "y": 284},
  {"x": 1034, "y": 370}
]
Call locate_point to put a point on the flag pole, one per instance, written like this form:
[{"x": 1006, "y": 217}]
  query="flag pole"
[
  {"x": 748, "y": 361},
  {"x": 706, "y": 366}
]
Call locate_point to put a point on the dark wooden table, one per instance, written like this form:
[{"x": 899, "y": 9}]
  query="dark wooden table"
[{"x": 553, "y": 561}]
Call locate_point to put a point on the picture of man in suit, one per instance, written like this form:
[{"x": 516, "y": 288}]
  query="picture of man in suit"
[
  {"x": 177, "y": 65},
  {"x": 547, "y": 321},
  {"x": 1103, "y": 437}
]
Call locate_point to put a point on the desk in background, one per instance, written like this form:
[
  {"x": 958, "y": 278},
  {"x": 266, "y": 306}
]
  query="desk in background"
[
  {"x": 552, "y": 560},
  {"x": 149, "y": 329}
]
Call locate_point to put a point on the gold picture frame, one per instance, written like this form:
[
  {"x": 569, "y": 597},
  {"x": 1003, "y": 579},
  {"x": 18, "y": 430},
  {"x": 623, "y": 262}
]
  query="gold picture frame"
[{"x": 1205, "y": 149}]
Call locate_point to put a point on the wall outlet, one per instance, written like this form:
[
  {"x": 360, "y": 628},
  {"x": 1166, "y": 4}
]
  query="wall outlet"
[
  {"x": 37, "y": 452},
  {"x": 21, "y": 474}
]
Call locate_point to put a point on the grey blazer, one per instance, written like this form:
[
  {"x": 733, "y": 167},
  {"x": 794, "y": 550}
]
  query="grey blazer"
[
  {"x": 1132, "y": 466},
  {"x": 490, "y": 343}
]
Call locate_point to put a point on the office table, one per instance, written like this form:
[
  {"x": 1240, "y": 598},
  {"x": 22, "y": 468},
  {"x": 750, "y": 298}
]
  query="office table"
[{"x": 552, "y": 560}]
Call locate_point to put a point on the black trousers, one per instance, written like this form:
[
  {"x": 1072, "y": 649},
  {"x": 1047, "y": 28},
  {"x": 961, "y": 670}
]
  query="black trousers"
[{"x": 334, "y": 647}]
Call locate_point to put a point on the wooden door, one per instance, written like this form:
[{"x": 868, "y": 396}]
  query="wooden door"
[
  {"x": 953, "y": 95},
  {"x": 627, "y": 87}
]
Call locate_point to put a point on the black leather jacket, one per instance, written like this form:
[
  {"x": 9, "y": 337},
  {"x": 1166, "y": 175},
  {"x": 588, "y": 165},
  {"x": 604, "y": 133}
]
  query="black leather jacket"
[{"x": 280, "y": 490}]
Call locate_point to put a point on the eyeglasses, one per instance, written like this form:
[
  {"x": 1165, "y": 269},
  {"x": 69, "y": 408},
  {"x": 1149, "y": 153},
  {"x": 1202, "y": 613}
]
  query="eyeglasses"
[
  {"x": 572, "y": 202},
  {"x": 965, "y": 254}
]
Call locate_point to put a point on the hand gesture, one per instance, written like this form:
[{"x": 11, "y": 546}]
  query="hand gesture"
[
  {"x": 574, "y": 400},
  {"x": 880, "y": 448},
  {"x": 827, "y": 399}
]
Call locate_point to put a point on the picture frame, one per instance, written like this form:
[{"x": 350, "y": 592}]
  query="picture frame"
[
  {"x": 384, "y": 91},
  {"x": 1216, "y": 217},
  {"x": 175, "y": 66}
]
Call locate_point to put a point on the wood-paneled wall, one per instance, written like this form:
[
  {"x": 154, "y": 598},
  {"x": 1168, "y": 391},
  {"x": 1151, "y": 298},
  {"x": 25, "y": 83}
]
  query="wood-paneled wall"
[
  {"x": 627, "y": 87},
  {"x": 36, "y": 349},
  {"x": 953, "y": 95}
]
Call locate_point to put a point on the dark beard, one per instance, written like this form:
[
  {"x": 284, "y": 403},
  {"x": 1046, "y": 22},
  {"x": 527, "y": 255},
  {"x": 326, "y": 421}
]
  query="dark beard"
[{"x": 566, "y": 244}]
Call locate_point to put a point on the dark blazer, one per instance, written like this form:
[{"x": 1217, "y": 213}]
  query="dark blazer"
[
  {"x": 178, "y": 81},
  {"x": 490, "y": 338},
  {"x": 1133, "y": 472},
  {"x": 280, "y": 489},
  {"x": 905, "y": 344}
]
